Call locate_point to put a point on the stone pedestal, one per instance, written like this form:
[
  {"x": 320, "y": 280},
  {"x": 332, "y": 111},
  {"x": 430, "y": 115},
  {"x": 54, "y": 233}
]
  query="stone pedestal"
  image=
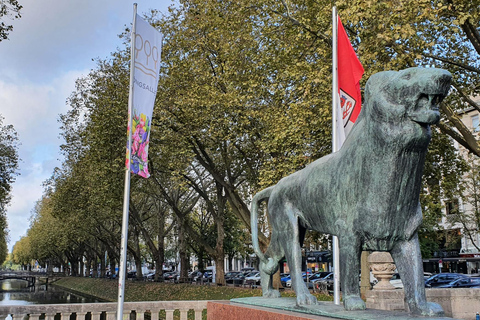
[
  {"x": 253, "y": 308},
  {"x": 219, "y": 310},
  {"x": 461, "y": 303}
]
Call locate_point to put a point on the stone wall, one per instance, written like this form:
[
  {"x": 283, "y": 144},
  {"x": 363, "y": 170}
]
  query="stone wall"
[{"x": 457, "y": 303}]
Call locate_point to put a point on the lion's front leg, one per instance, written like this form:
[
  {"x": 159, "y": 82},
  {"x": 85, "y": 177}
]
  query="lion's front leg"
[
  {"x": 349, "y": 265},
  {"x": 408, "y": 260}
]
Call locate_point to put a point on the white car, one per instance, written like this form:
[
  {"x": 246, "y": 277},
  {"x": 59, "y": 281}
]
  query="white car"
[
  {"x": 396, "y": 281},
  {"x": 253, "y": 278}
]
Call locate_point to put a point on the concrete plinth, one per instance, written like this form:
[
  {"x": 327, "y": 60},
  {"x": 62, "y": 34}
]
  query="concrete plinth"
[
  {"x": 462, "y": 303},
  {"x": 219, "y": 310},
  {"x": 285, "y": 309}
]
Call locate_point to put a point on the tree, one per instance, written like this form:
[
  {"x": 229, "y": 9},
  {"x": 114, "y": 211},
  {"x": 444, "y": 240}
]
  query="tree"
[
  {"x": 8, "y": 171},
  {"x": 9, "y": 9},
  {"x": 242, "y": 95},
  {"x": 468, "y": 215},
  {"x": 22, "y": 252},
  {"x": 444, "y": 169}
]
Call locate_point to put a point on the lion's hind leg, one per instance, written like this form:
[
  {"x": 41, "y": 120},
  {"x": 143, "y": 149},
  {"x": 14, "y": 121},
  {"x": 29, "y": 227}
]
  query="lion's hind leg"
[
  {"x": 268, "y": 268},
  {"x": 349, "y": 265},
  {"x": 290, "y": 241}
]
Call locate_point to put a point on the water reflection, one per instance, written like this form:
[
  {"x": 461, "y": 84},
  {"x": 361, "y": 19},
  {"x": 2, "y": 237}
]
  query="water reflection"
[{"x": 17, "y": 292}]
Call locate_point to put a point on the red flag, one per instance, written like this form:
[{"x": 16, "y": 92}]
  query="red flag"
[{"x": 350, "y": 71}]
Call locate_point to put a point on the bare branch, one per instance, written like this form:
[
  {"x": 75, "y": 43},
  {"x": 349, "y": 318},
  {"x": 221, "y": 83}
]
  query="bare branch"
[
  {"x": 464, "y": 136},
  {"x": 454, "y": 63},
  {"x": 466, "y": 98}
]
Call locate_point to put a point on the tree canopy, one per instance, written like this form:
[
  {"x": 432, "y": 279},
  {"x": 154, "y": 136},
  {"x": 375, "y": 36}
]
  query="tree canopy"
[
  {"x": 8, "y": 171},
  {"x": 9, "y": 10},
  {"x": 244, "y": 99}
]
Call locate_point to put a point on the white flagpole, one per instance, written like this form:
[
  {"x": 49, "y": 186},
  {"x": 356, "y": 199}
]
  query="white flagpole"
[
  {"x": 335, "y": 147},
  {"x": 126, "y": 196}
]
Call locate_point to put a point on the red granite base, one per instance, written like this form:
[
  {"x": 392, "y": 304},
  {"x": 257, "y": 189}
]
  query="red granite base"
[{"x": 224, "y": 310}]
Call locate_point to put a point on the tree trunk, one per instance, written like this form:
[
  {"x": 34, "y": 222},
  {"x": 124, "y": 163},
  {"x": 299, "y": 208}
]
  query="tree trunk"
[
  {"x": 88, "y": 266},
  {"x": 201, "y": 265},
  {"x": 182, "y": 249},
  {"x": 138, "y": 257},
  {"x": 103, "y": 266},
  {"x": 219, "y": 248}
]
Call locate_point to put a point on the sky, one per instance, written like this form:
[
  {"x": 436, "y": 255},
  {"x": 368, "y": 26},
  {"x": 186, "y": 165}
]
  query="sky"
[{"x": 51, "y": 45}]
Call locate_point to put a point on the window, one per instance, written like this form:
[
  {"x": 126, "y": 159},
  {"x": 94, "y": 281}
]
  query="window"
[
  {"x": 475, "y": 123},
  {"x": 451, "y": 206}
]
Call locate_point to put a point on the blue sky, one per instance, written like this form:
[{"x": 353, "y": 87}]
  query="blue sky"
[{"x": 51, "y": 46}]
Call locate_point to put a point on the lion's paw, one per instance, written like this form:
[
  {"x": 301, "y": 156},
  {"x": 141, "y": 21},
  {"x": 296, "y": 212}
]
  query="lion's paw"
[
  {"x": 271, "y": 294},
  {"x": 354, "y": 303},
  {"x": 306, "y": 299},
  {"x": 430, "y": 309}
]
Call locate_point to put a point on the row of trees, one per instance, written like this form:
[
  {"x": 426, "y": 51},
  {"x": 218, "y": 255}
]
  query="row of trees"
[
  {"x": 8, "y": 171},
  {"x": 9, "y": 10},
  {"x": 243, "y": 100}
]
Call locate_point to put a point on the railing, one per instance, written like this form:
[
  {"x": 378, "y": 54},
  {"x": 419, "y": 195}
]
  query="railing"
[{"x": 153, "y": 310}]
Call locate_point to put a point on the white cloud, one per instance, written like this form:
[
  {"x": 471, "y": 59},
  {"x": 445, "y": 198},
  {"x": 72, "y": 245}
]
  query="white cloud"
[
  {"x": 33, "y": 110},
  {"x": 51, "y": 46}
]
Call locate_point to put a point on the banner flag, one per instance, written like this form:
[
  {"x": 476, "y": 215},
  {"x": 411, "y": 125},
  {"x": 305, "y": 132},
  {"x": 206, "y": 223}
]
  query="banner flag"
[
  {"x": 147, "y": 53},
  {"x": 350, "y": 71}
]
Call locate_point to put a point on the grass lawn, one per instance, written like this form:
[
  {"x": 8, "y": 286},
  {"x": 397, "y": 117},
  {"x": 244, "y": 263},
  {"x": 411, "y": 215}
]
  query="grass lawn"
[{"x": 107, "y": 289}]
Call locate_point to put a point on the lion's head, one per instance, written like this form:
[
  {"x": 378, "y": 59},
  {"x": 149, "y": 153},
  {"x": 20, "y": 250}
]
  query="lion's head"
[{"x": 406, "y": 100}]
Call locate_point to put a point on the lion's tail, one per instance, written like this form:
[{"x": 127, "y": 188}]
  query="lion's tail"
[{"x": 257, "y": 199}]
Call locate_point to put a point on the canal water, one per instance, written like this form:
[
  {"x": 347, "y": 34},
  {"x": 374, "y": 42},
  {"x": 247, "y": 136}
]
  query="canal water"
[{"x": 17, "y": 292}]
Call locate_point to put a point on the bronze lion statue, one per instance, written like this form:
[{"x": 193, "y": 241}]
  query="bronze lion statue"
[{"x": 367, "y": 193}]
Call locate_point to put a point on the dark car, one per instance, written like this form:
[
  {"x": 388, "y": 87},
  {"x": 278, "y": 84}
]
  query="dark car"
[
  {"x": 442, "y": 279},
  {"x": 318, "y": 275},
  {"x": 327, "y": 280},
  {"x": 466, "y": 282},
  {"x": 231, "y": 276}
]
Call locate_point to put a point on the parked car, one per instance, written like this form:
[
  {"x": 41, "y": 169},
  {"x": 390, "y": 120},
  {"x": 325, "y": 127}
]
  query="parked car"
[
  {"x": 248, "y": 270},
  {"x": 396, "y": 281},
  {"x": 234, "y": 277},
  {"x": 328, "y": 280},
  {"x": 169, "y": 276},
  {"x": 465, "y": 282},
  {"x": 149, "y": 276},
  {"x": 284, "y": 277},
  {"x": 318, "y": 275},
  {"x": 194, "y": 275},
  {"x": 442, "y": 278},
  {"x": 131, "y": 274},
  {"x": 253, "y": 278},
  {"x": 288, "y": 283},
  {"x": 207, "y": 276}
]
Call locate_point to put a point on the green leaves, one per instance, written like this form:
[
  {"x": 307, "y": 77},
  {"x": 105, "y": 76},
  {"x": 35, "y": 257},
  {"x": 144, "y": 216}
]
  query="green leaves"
[
  {"x": 8, "y": 171},
  {"x": 11, "y": 10},
  {"x": 244, "y": 99}
]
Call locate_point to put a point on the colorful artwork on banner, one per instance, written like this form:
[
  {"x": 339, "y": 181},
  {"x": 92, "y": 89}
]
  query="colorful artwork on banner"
[{"x": 140, "y": 139}]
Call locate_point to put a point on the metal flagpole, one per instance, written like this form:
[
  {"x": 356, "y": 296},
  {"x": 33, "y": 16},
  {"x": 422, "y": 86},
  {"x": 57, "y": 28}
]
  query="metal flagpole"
[
  {"x": 126, "y": 196},
  {"x": 335, "y": 147}
]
